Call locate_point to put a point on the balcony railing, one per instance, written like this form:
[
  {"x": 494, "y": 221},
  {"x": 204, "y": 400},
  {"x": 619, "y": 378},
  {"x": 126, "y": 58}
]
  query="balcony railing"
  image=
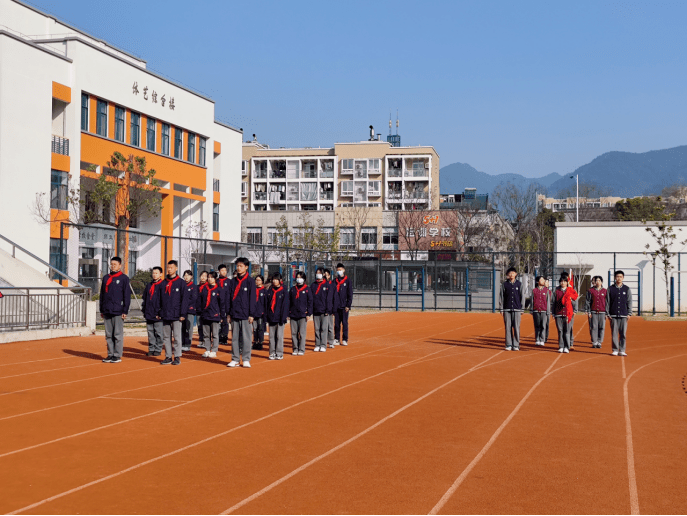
[
  {"x": 394, "y": 172},
  {"x": 326, "y": 196},
  {"x": 417, "y": 173},
  {"x": 394, "y": 195},
  {"x": 60, "y": 145},
  {"x": 416, "y": 195},
  {"x": 260, "y": 174},
  {"x": 259, "y": 196}
]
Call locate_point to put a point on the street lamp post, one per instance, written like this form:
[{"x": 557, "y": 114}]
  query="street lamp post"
[{"x": 577, "y": 199}]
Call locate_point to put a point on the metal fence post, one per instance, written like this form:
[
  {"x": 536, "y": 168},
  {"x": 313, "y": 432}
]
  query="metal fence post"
[
  {"x": 493, "y": 284},
  {"x": 205, "y": 253},
  {"x": 380, "y": 275},
  {"x": 423, "y": 289},
  {"x": 57, "y": 312},
  {"x": 166, "y": 254},
  {"x": 397, "y": 289},
  {"x": 435, "y": 283},
  {"x": 262, "y": 273},
  {"x": 28, "y": 307},
  {"x": 62, "y": 253},
  {"x": 609, "y": 278},
  {"x": 679, "y": 285},
  {"x": 467, "y": 287},
  {"x": 639, "y": 292},
  {"x": 672, "y": 296},
  {"x": 615, "y": 267},
  {"x": 654, "y": 288}
]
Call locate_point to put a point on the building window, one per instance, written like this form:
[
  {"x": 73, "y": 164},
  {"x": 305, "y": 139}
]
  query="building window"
[
  {"x": 105, "y": 264},
  {"x": 133, "y": 258},
  {"x": 368, "y": 238},
  {"x": 215, "y": 217},
  {"x": 254, "y": 235},
  {"x": 84, "y": 112},
  {"x": 201, "y": 151},
  {"x": 244, "y": 168},
  {"x": 346, "y": 188},
  {"x": 390, "y": 239},
  {"x": 244, "y": 189},
  {"x": 361, "y": 169},
  {"x": 135, "y": 130},
  {"x": 119, "y": 124},
  {"x": 215, "y": 185},
  {"x": 165, "y": 140},
  {"x": 178, "y": 142},
  {"x": 58, "y": 189},
  {"x": 373, "y": 166},
  {"x": 101, "y": 125},
  {"x": 150, "y": 134},
  {"x": 327, "y": 235},
  {"x": 191, "y": 151},
  {"x": 271, "y": 236},
  {"x": 57, "y": 259},
  {"x": 373, "y": 188},
  {"x": 347, "y": 238},
  {"x": 347, "y": 166}
]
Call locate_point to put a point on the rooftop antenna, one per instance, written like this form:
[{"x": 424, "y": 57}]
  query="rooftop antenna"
[{"x": 396, "y": 121}]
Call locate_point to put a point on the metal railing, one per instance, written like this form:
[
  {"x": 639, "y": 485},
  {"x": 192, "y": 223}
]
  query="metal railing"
[
  {"x": 60, "y": 145},
  {"x": 42, "y": 308}
]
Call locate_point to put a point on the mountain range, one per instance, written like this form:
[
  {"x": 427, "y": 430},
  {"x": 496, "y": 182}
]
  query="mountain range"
[{"x": 621, "y": 174}]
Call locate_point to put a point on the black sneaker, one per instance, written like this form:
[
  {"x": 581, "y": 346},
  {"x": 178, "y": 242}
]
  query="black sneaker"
[
  {"x": 157, "y": 353},
  {"x": 166, "y": 361},
  {"x": 108, "y": 359},
  {"x": 176, "y": 361},
  {"x": 150, "y": 354},
  {"x": 116, "y": 360}
]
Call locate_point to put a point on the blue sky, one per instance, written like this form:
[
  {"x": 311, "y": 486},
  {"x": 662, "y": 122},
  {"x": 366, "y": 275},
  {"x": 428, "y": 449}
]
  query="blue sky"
[{"x": 521, "y": 87}]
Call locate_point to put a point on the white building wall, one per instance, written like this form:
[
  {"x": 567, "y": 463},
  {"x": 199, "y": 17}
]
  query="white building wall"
[
  {"x": 229, "y": 174},
  {"x": 594, "y": 243}
]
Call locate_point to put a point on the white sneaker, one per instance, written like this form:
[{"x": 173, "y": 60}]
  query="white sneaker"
[
  {"x": 336, "y": 343},
  {"x": 212, "y": 354},
  {"x": 246, "y": 363},
  {"x": 344, "y": 343},
  {"x": 331, "y": 346},
  {"x": 615, "y": 353},
  {"x": 560, "y": 350},
  {"x": 622, "y": 354},
  {"x": 317, "y": 349},
  {"x": 233, "y": 363},
  {"x": 206, "y": 354},
  {"x": 508, "y": 348},
  {"x": 566, "y": 350},
  {"x": 272, "y": 357},
  {"x": 295, "y": 353},
  {"x": 323, "y": 349},
  {"x": 301, "y": 353}
]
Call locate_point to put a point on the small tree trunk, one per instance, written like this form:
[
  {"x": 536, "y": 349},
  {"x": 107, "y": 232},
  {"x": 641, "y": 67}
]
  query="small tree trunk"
[{"x": 123, "y": 242}]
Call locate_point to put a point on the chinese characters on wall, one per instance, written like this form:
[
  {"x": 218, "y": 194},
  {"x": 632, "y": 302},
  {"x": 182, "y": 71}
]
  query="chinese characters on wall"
[{"x": 153, "y": 96}]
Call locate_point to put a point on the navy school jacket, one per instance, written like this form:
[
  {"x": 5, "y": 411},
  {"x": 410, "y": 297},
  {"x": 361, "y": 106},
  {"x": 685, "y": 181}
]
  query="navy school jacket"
[
  {"x": 190, "y": 302},
  {"x": 152, "y": 307},
  {"x": 260, "y": 297},
  {"x": 323, "y": 298},
  {"x": 211, "y": 303},
  {"x": 277, "y": 310},
  {"x": 115, "y": 294},
  {"x": 173, "y": 294},
  {"x": 343, "y": 293},
  {"x": 240, "y": 304},
  {"x": 302, "y": 305}
]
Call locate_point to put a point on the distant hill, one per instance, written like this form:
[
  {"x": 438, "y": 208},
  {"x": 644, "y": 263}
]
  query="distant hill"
[{"x": 623, "y": 174}]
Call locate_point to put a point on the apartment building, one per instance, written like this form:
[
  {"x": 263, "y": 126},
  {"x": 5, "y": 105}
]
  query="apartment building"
[{"x": 88, "y": 99}]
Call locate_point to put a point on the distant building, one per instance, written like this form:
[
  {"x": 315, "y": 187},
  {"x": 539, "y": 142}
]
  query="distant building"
[{"x": 469, "y": 199}]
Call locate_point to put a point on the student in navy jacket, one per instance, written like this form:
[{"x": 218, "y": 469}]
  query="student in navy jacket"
[
  {"x": 300, "y": 310},
  {"x": 173, "y": 296},
  {"x": 323, "y": 302},
  {"x": 211, "y": 307},
  {"x": 619, "y": 310},
  {"x": 223, "y": 282},
  {"x": 511, "y": 304},
  {"x": 276, "y": 314},
  {"x": 330, "y": 332},
  {"x": 239, "y": 298},
  {"x": 188, "y": 309},
  {"x": 152, "y": 310},
  {"x": 202, "y": 283},
  {"x": 259, "y": 315},
  {"x": 342, "y": 304},
  {"x": 115, "y": 297}
]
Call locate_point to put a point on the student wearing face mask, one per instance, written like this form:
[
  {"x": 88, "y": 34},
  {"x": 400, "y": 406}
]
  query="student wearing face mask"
[
  {"x": 330, "y": 332},
  {"x": 300, "y": 310},
  {"x": 239, "y": 299},
  {"x": 342, "y": 304},
  {"x": 259, "y": 315},
  {"x": 152, "y": 310},
  {"x": 323, "y": 299},
  {"x": 202, "y": 285},
  {"x": 211, "y": 307},
  {"x": 276, "y": 314}
]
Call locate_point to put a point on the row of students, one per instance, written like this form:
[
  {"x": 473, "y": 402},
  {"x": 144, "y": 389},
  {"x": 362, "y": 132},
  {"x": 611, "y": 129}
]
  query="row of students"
[{"x": 614, "y": 304}]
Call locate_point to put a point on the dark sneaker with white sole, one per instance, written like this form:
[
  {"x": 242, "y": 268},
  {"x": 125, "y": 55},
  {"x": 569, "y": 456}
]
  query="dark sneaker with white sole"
[
  {"x": 166, "y": 361},
  {"x": 115, "y": 360},
  {"x": 176, "y": 361},
  {"x": 107, "y": 359}
]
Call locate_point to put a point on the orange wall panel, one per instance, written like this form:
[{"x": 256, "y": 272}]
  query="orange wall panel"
[
  {"x": 215, "y": 197},
  {"x": 93, "y": 115},
  {"x": 110, "y": 120},
  {"x": 144, "y": 133},
  {"x": 59, "y": 162},
  {"x": 218, "y": 147},
  {"x": 215, "y": 235},
  {"x": 61, "y": 92},
  {"x": 57, "y": 216},
  {"x": 127, "y": 126}
]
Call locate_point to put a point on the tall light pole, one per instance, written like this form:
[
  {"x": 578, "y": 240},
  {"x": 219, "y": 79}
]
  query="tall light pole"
[{"x": 577, "y": 201}]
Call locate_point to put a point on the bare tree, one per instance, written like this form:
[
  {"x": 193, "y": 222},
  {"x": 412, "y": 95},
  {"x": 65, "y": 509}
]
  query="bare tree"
[
  {"x": 476, "y": 231},
  {"x": 518, "y": 206},
  {"x": 412, "y": 231},
  {"x": 355, "y": 217}
]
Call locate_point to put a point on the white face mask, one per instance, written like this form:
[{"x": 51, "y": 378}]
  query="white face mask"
[
  {"x": 300, "y": 281},
  {"x": 340, "y": 274},
  {"x": 318, "y": 276}
]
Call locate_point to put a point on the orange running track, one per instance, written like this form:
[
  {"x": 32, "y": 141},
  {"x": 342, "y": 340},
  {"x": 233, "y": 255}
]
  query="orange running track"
[{"x": 422, "y": 413}]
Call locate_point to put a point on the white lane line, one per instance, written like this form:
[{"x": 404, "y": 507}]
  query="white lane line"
[
  {"x": 34, "y": 361},
  {"x": 48, "y": 371},
  {"x": 142, "y": 399}
]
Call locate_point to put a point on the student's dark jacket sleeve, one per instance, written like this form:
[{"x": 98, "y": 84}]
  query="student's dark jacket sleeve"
[
  {"x": 127, "y": 294},
  {"x": 146, "y": 293},
  {"x": 330, "y": 299},
  {"x": 349, "y": 294},
  {"x": 101, "y": 299},
  {"x": 311, "y": 301},
  {"x": 251, "y": 298},
  {"x": 285, "y": 307}
]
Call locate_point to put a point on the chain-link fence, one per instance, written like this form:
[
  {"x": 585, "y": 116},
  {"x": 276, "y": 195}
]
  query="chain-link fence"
[{"x": 382, "y": 279}]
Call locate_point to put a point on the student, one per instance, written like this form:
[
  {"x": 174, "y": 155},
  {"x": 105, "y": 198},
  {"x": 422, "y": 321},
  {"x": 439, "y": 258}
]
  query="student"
[
  {"x": 323, "y": 300},
  {"x": 211, "y": 307},
  {"x": 276, "y": 315},
  {"x": 619, "y": 310},
  {"x": 300, "y": 310},
  {"x": 172, "y": 300},
  {"x": 152, "y": 310},
  {"x": 239, "y": 302},
  {"x": 562, "y": 308},
  {"x": 259, "y": 315},
  {"x": 115, "y": 297},
  {"x": 571, "y": 325},
  {"x": 342, "y": 304},
  {"x": 202, "y": 284},
  {"x": 548, "y": 326},
  {"x": 511, "y": 303},
  {"x": 188, "y": 309},
  {"x": 330, "y": 333},
  {"x": 595, "y": 306},
  {"x": 223, "y": 282},
  {"x": 541, "y": 311}
]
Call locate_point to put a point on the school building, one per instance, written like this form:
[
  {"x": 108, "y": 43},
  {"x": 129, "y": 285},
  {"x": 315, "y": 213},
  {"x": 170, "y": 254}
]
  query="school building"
[{"x": 68, "y": 101}]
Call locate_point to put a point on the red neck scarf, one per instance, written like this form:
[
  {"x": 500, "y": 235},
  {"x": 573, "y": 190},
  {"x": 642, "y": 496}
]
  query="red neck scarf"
[
  {"x": 210, "y": 289},
  {"x": 339, "y": 282},
  {"x": 238, "y": 285},
  {"x": 203, "y": 285},
  {"x": 222, "y": 281},
  {"x": 568, "y": 297},
  {"x": 189, "y": 283},
  {"x": 274, "y": 296},
  {"x": 109, "y": 280},
  {"x": 168, "y": 287},
  {"x": 299, "y": 290},
  {"x": 319, "y": 286},
  {"x": 257, "y": 293},
  {"x": 152, "y": 287}
]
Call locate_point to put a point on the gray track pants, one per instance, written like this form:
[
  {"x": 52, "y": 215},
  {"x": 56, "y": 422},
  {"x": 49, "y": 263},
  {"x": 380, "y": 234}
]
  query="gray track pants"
[
  {"x": 512, "y": 322},
  {"x": 563, "y": 328},
  {"x": 175, "y": 327},
  {"x": 187, "y": 329},
  {"x": 330, "y": 332},
  {"x": 571, "y": 327},
  {"x": 597, "y": 325},
  {"x": 211, "y": 335},
  {"x": 155, "y": 336},
  {"x": 321, "y": 330},
  {"x": 114, "y": 335},
  {"x": 619, "y": 329},
  {"x": 277, "y": 339},
  {"x": 241, "y": 339},
  {"x": 298, "y": 329},
  {"x": 541, "y": 326}
]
